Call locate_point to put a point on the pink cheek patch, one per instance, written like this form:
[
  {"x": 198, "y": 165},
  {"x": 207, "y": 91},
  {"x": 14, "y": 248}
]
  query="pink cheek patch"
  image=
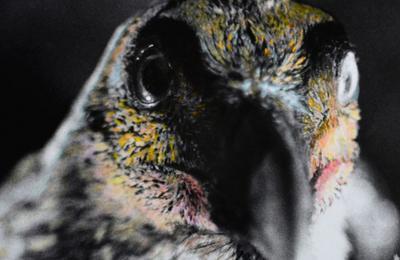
[
  {"x": 333, "y": 158},
  {"x": 326, "y": 175},
  {"x": 329, "y": 184}
]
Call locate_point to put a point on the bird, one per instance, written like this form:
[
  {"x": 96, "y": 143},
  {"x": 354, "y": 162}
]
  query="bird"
[{"x": 210, "y": 129}]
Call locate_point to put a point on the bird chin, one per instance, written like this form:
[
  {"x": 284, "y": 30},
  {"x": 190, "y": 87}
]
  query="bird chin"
[{"x": 328, "y": 186}]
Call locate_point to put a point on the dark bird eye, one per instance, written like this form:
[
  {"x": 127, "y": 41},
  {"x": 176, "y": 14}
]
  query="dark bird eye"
[{"x": 151, "y": 76}]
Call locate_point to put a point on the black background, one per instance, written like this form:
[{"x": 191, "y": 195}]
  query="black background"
[{"x": 49, "y": 48}]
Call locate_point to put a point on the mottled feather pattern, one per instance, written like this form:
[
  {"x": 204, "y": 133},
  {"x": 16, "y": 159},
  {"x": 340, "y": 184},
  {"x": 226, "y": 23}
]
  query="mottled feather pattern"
[{"x": 244, "y": 155}]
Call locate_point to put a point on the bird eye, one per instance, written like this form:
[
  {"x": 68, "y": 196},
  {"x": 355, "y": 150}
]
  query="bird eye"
[
  {"x": 348, "y": 82},
  {"x": 152, "y": 76}
]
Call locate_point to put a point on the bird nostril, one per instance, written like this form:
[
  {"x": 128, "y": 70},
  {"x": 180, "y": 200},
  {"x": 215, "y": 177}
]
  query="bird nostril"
[{"x": 236, "y": 76}]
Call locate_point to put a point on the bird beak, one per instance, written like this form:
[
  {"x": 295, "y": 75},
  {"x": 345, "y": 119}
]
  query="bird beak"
[{"x": 279, "y": 188}]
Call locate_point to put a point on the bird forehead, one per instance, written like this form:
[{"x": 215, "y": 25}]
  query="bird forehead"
[{"x": 249, "y": 35}]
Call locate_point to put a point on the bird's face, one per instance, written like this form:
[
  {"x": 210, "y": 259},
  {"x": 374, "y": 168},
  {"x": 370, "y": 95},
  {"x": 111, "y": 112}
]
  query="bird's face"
[{"x": 225, "y": 98}]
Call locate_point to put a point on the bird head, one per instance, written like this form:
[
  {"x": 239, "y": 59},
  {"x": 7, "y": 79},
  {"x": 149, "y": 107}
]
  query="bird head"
[{"x": 208, "y": 112}]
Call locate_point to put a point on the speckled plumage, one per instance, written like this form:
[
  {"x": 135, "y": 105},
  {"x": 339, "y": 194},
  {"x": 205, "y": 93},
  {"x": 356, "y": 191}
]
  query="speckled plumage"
[{"x": 242, "y": 158}]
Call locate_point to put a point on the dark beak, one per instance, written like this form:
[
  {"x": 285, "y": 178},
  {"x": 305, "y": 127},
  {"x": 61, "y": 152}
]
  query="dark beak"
[{"x": 262, "y": 194}]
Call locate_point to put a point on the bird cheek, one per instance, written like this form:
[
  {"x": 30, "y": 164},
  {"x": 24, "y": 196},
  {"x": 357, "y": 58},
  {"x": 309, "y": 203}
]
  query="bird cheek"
[
  {"x": 333, "y": 154},
  {"x": 162, "y": 198}
]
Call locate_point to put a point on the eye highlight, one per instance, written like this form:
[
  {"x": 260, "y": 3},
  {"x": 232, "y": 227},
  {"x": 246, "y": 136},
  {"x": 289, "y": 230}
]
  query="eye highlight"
[
  {"x": 348, "y": 80},
  {"x": 151, "y": 76}
]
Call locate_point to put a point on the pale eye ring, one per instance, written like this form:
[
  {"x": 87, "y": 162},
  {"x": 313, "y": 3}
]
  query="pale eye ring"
[{"x": 348, "y": 80}]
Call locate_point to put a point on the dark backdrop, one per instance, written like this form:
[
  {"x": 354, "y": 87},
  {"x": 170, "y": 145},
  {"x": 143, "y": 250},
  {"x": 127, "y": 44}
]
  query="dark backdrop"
[{"x": 49, "y": 48}]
